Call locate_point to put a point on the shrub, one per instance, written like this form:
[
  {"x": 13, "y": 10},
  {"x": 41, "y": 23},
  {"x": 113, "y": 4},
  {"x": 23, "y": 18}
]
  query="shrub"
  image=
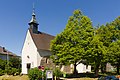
[
  {"x": 35, "y": 74},
  {"x": 57, "y": 72},
  {"x": 14, "y": 71},
  {"x": 15, "y": 62},
  {"x": 2, "y": 64},
  {"x": 1, "y": 72},
  {"x": 11, "y": 71}
]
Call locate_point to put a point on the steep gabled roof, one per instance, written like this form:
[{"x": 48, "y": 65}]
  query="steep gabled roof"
[{"x": 41, "y": 40}]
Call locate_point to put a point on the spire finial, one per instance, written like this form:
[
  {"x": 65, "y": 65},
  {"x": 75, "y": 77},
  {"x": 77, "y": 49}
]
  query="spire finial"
[{"x": 33, "y": 9}]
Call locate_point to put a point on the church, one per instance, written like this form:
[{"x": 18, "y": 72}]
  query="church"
[{"x": 35, "y": 51}]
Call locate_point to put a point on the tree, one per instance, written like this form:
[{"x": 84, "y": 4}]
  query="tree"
[
  {"x": 106, "y": 36},
  {"x": 95, "y": 53},
  {"x": 69, "y": 46},
  {"x": 114, "y": 51},
  {"x": 109, "y": 35},
  {"x": 114, "y": 48}
]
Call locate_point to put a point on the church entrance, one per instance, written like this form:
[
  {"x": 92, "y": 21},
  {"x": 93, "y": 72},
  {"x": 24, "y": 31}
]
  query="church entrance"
[{"x": 28, "y": 66}]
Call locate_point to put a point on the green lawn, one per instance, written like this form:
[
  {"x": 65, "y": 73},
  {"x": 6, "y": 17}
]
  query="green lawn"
[
  {"x": 25, "y": 77},
  {"x": 6, "y": 77}
]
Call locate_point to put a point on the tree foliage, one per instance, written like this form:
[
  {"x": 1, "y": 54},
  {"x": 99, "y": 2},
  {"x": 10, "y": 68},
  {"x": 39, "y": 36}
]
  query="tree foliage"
[
  {"x": 2, "y": 64},
  {"x": 95, "y": 53},
  {"x": 69, "y": 46},
  {"x": 15, "y": 62},
  {"x": 114, "y": 51},
  {"x": 114, "y": 47},
  {"x": 11, "y": 67},
  {"x": 80, "y": 41}
]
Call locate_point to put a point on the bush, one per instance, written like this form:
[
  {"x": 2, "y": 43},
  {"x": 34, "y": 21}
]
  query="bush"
[
  {"x": 35, "y": 74},
  {"x": 1, "y": 72},
  {"x": 57, "y": 72},
  {"x": 2, "y": 64},
  {"x": 12, "y": 71},
  {"x": 15, "y": 62}
]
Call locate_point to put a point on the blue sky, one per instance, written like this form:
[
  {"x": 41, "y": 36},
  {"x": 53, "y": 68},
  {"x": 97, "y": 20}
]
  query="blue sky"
[{"x": 52, "y": 16}]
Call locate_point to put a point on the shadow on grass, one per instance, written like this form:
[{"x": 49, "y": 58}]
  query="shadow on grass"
[
  {"x": 80, "y": 75},
  {"x": 88, "y": 75}
]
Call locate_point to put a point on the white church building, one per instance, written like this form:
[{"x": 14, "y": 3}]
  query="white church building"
[{"x": 36, "y": 48}]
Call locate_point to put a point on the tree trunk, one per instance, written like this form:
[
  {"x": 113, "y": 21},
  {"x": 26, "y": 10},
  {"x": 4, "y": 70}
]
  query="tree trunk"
[
  {"x": 103, "y": 68},
  {"x": 96, "y": 70},
  {"x": 118, "y": 68},
  {"x": 75, "y": 70}
]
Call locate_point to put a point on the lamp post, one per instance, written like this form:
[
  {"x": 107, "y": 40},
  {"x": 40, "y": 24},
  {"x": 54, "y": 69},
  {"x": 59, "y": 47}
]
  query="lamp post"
[{"x": 7, "y": 59}]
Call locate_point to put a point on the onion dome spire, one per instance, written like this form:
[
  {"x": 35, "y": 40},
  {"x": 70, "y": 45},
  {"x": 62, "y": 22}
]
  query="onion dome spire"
[{"x": 33, "y": 22}]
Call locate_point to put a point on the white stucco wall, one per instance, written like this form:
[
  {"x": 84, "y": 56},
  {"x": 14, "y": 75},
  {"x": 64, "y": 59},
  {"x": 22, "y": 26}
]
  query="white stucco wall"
[
  {"x": 81, "y": 68},
  {"x": 29, "y": 49},
  {"x": 88, "y": 68},
  {"x": 38, "y": 59}
]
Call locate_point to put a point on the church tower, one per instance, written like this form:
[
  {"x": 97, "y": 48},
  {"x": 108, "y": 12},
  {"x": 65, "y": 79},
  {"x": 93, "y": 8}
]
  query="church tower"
[{"x": 33, "y": 23}]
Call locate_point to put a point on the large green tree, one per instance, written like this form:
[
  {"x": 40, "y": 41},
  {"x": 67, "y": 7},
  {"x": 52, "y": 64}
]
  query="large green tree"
[
  {"x": 106, "y": 37},
  {"x": 69, "y": 46},
  {"x": 114, "y": 51},
  {"x": 95, "y": 53},
  {"x": 114, "y": 48},
  {"x": 109, "y": 35}
]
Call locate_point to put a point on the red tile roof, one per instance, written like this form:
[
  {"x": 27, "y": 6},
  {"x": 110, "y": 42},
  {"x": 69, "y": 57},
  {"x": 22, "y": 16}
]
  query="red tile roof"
[
  {"x": 41, "y": 40},
  {"x": 4, "y": 51}
]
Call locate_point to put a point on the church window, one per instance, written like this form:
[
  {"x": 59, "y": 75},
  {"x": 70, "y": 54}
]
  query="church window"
[
  {"x": 28, "y": 57},
  {"x": 47, "y": 60}
]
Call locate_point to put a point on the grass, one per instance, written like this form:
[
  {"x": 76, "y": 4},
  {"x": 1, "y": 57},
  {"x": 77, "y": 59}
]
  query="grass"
[
  {"x": 25, "y": 77},
  {"x": 10, "y": 77},
  {"x": 79, "y": 79},
  {"x": 88, "y": 76}
]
